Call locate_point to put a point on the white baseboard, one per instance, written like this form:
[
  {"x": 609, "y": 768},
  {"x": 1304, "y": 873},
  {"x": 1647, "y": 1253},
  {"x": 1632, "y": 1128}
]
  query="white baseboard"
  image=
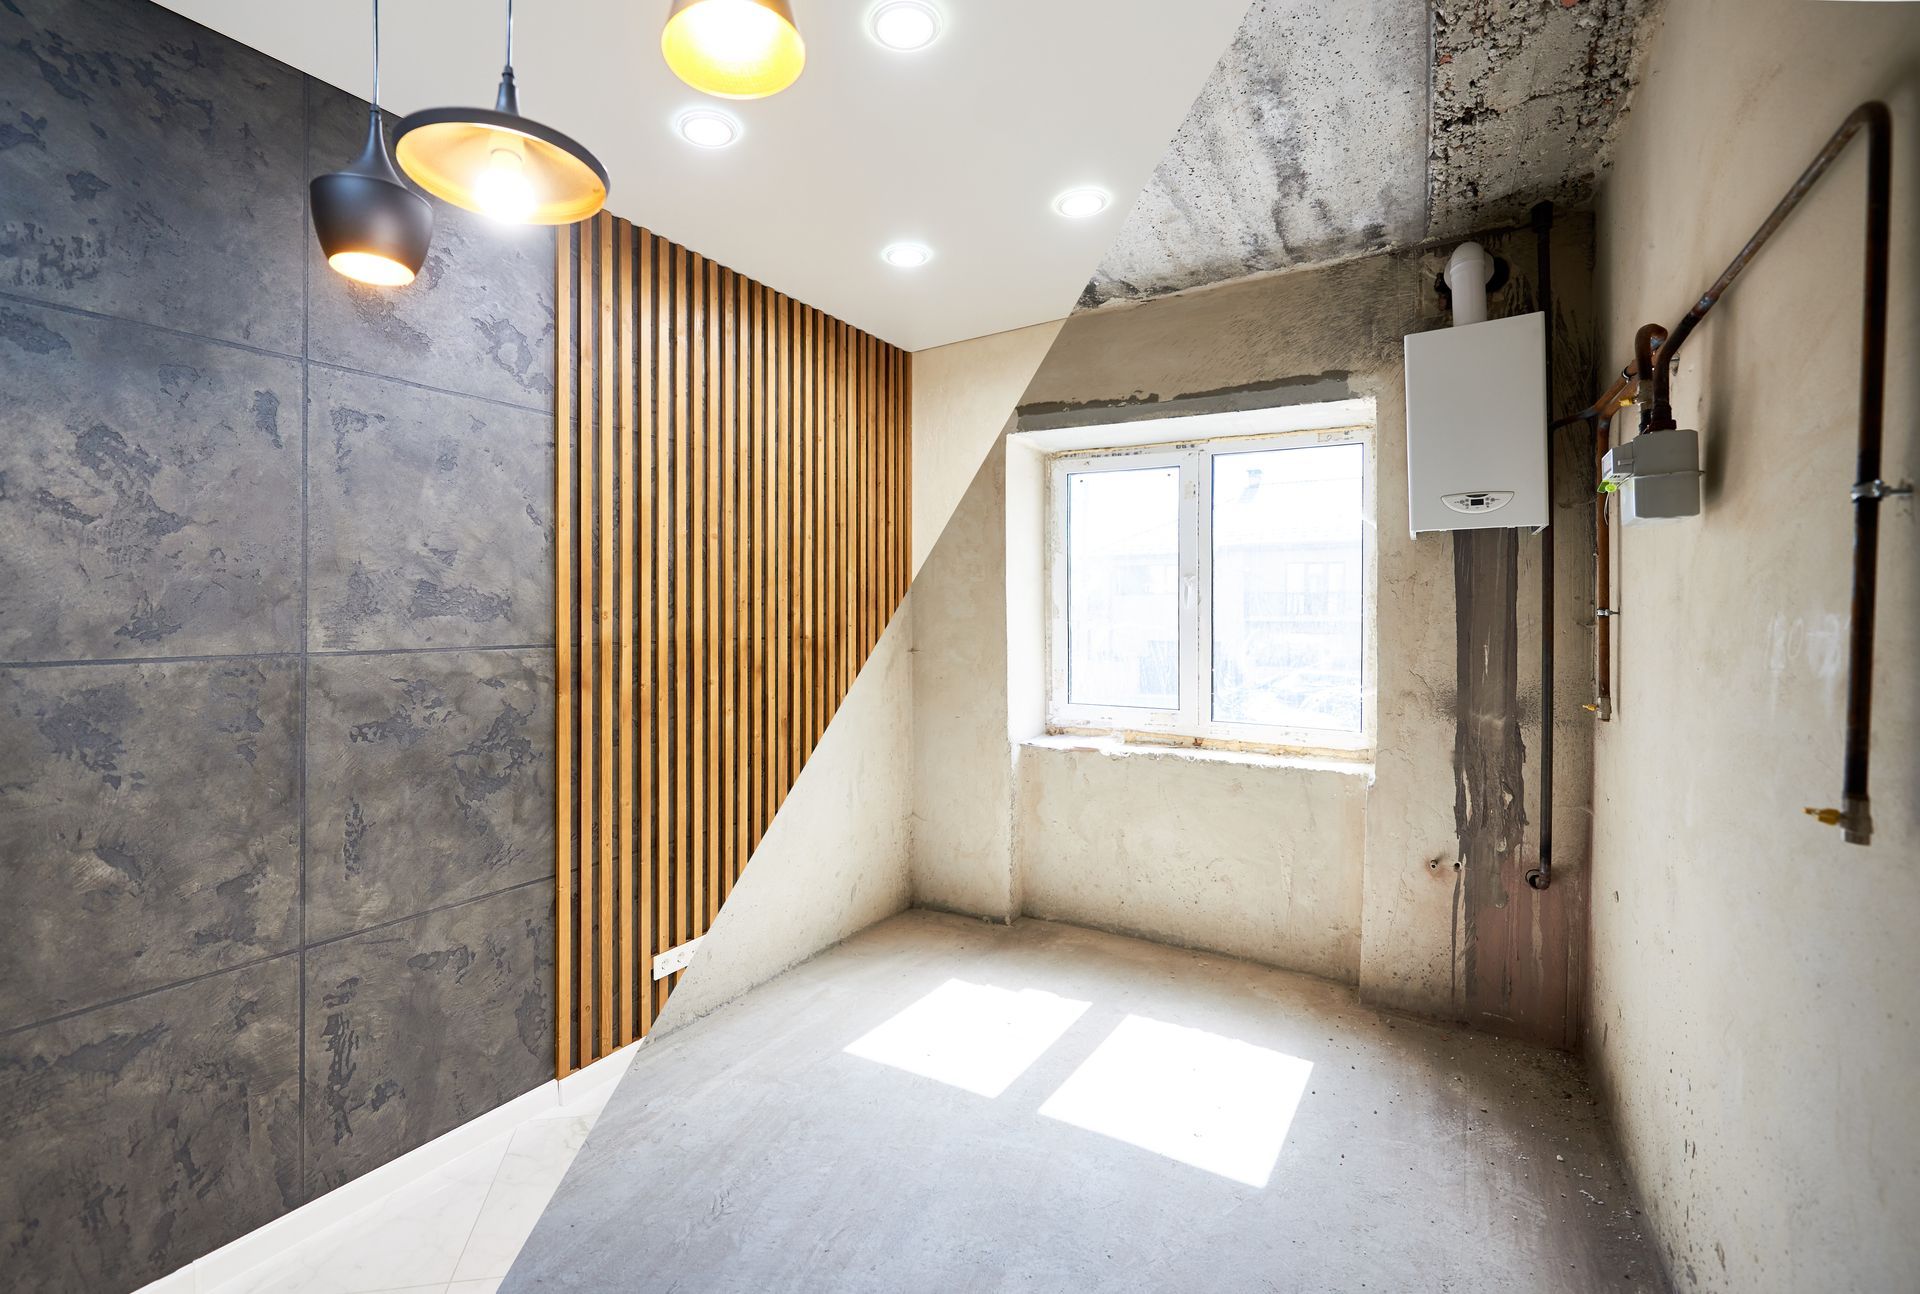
[{"x": 263, "y": 1244}]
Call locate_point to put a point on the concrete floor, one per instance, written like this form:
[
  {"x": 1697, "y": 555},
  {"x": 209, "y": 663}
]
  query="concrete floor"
[{"x": 940, "y": 1104}]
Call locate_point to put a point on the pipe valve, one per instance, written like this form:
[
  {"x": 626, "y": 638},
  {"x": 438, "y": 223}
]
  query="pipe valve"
[{"x": 1856, "y": 819}]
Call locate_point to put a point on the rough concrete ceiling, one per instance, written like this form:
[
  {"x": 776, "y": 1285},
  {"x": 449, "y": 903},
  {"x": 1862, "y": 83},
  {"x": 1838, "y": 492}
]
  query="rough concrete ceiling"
[{"x": 1331, "y": 131}]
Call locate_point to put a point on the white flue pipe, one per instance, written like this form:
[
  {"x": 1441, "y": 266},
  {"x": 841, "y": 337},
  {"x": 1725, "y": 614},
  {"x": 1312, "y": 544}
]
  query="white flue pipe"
[{"x": 1468, "y": 270}]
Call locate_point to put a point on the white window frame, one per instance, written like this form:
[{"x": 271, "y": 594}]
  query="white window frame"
[{"x": 1192, "y": 723}]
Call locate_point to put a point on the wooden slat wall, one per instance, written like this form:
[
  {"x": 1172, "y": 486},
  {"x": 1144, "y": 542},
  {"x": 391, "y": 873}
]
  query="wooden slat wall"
[{"x": 733, "y": 529}]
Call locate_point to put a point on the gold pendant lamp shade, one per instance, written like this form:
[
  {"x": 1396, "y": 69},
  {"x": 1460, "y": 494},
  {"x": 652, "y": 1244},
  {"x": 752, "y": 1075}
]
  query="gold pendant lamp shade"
[
  {"x": 734, "y": 49},
  {"x": 499, "y": 163}
]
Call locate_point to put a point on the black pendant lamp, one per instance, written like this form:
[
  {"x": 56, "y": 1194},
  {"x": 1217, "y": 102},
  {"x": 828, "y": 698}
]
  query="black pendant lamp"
[
  {"x": 371, "y": 226},
  {"x": 499, "y": 163}
]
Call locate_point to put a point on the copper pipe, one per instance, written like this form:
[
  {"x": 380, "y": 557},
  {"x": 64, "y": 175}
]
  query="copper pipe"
[
  {"x": 1600, "y": 422},
  {"x": 1651, "y": 337},
  {"x": 1620, "y": 392},
  {"x": 1868, "y": 488},
  {"x": 1855, "y": 815},
  {"x": 1872, "y": 117},
  {"x": 1602, "y": 427}
]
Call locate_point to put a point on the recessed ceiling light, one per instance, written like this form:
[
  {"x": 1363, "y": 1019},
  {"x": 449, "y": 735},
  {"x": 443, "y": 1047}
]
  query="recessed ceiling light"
[
  {"x": 907, "y": 256},
  {"x": 706, "y": 128},
  {"x": 1078, "y": 204},
  {"x": 906, "y": 25}
]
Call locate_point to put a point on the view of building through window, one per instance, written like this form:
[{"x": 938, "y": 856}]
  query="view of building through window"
[
  {"x": 1286, "y": 601},
  {"x": 1213, "y": 589},
  {"x": 1123, "y": 556}
]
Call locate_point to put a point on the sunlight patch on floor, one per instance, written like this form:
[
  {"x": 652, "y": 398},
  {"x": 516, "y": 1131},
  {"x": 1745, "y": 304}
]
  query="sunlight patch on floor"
[
  {"x": 1216, "y": 1103},
  {"x": 972, "y": 1036}
]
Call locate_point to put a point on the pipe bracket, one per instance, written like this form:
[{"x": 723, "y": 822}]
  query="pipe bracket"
[{"x": 1875, "y": 490}]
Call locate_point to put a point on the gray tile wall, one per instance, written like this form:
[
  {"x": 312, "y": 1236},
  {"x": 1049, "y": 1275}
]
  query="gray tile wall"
[{"x": 276, "y": 598}]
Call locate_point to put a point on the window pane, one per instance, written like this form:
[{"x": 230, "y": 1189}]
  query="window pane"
[
  {"x": 1288, "y": 643},
  {"x": 1123, "y": 588}
]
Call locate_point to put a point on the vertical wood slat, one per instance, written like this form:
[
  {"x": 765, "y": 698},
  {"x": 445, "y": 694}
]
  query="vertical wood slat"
[
  {"x": 745, "y": 805},
  {"x": 686, "y": 611},
  {"x": 625, "y": 822},
  {"x": 583, "y": 527},
  {"x": 783, "y": 584},
  {"x": 662, "y": 624},
  {"x": 710, "y": 668},
  {"x": 605, "y": 560},
  {"x": 760, "y": 751},
  {"x": 731, "y": 541},
  {"x": 563, "y": 721},
  {"x": 638, "y": 625},
  {"x": 717, "y": 597}
]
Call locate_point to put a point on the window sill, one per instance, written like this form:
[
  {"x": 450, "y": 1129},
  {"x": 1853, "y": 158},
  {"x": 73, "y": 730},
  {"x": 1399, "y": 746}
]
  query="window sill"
[{"x": 1358, "y": 765}]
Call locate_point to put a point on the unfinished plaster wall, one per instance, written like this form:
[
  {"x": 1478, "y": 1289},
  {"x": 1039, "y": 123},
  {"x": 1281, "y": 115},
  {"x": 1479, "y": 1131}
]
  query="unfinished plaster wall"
[
  {"x": 962, "y": 757},
  {"x": 963, "y": 401},
  {"x": 851, "y": 843},
  {"x": 1258, "y": 858},
  {"x": 1755, "y": 1010},
  {"x": 834, "y": 861},
  {"x": 1325, "y": 334},
  {"x": 963, "y": 395}
]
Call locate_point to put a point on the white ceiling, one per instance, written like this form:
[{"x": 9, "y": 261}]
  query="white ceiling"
[{"x": 961, "y": 146}]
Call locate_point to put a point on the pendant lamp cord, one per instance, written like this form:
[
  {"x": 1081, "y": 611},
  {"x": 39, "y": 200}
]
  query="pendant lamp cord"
[
  {"x": 376, "y": 55},
  {"x": 509, "y": 100}
]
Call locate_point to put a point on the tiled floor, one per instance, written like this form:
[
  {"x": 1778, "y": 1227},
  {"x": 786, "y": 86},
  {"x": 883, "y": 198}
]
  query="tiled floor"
[{"x": 455, "y": 1231}]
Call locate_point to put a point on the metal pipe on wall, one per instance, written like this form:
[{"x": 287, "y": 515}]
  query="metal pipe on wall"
[
  {"x": 1603, "y": 610},
  {"x": 1599, "y": 418},
  {"x": 1868, "y": 491},
  {"x": 1540, "y": 876}
]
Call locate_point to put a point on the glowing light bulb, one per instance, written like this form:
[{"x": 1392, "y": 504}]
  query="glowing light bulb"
[
  {"x": 371, "y": 268},
  {"x": 734, "y": 31},
  {"x": 503, "y": 190},
  {"x": 736, "y": 49}
]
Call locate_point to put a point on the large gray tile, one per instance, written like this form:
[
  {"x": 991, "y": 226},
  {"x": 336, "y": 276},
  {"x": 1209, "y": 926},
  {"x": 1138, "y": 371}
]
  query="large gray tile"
[
  {"x": 418, "y": 1027},
  {"x": 149, "y": 827},
  {"x": 150, "y": 169},
  {"x": 149, "y": 492},
  {"x": 478, "y": 319},
  {"x": 431, "y": 518},
  {"x": 139, "y": 1136},
  {"x": 430, "y": 780}
]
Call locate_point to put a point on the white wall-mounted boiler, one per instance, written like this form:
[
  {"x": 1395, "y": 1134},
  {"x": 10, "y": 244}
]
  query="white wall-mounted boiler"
[{"x": 1477, "y": 425}]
